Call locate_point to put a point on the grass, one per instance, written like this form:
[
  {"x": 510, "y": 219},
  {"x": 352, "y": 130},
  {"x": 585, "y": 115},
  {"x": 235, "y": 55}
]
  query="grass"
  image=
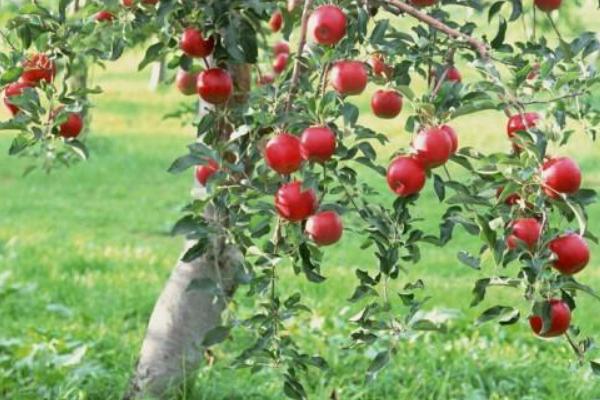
[{"x": 84, "y": 253}]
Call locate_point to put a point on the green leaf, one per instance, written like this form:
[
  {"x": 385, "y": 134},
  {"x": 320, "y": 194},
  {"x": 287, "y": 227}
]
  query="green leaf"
[
  {"x": 499, "y": 39},
  {"x": 380, "y": 361},
  {"x": 362, "y": 291},
  {"x": 350, "y": 113},
  {"x": 378, "y": 33},
  {"x": 10, "y": 75},
  {"x": 439, "y": 187},
  {"x": 469, "y": 260},
  {"x": 153, "y": 53},
  {"x": 506, "y": 314},
  {"x": 215, "y": 335}
]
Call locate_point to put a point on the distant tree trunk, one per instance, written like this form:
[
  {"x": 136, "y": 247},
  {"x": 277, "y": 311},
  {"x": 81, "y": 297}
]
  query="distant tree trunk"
[
  {"x": 172, "y": 349},
  {"x": 157, "y": 75}
]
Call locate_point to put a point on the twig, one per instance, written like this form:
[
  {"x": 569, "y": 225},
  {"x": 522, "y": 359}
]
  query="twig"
[
  {"x": 559, "y": 98},
  {"x": 477, "y": 45},
  {"x": 301, "y": 43}
]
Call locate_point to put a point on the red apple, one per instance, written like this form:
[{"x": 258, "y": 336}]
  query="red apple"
[
  {"x": 453, "y": 75},
  {"x": 560, "y": 319},
  {"x": 215, "y": 85},
  {"x": 380, "y": 68},
  {"x": 282, "y": 153},
  {"x": 186, "y": 81},
  {"x": 519, "y": 123},
  {"x": 324, "y": 228},
  {"x": 527, "y": 230},
  {"x": 547, "y": 5},
  {"x": 348, "y": 77},
  {"x": 206, "y": 171},
  {"x": 14, "y": 89},
  {"x": 72, "y": 127},
  {"x": 276, "y": 21},
  {"x": 386, "y": 103},
  {"x": 511, "y": 200},
  {"x": 265, "y": 79},
  {"x": 572, "y": 253},
  {"x": 104, "y": 16},
  {"x": 38, "y": 67},
  {"x": 295, "y": 203},
  {"x": 194, "y": 44},
  {"x": 452, "y": 136},
  {"x": 128, "y": 3},
  {"x": 433, "y": 147},
  {"x": 561, "y": 175},
  {"x": 423, "y": 3},
  {"x": 281, "y": 47},
  {"x": 406, "y": 176},
  {"x": 317, "y": 144},
  {"x": 327, "y": 25},
  {"x": 280, "y": 62}
]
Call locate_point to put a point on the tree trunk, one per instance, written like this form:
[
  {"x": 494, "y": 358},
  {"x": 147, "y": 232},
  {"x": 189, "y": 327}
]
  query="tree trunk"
[
  {"x": 172, "y": 348},
  {"x": 157, "y": 75}
]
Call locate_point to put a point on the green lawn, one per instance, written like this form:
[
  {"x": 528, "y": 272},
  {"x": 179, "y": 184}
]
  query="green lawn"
[{"x": 84, "y": 253}]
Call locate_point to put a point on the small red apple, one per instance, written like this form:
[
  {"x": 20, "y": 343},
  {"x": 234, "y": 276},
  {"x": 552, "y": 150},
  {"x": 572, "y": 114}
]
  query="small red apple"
[
  {"x": 433, "y": 147},
  {"x": 206, "y": 171},
  {"x": 423, "y": 3},
  {"x": 283, "y": 154},
  {"x": 186, "y": 81},
  {"x": 72, "y": 127},
  {"x": 14, "y": 89},
  {"x": 194, "y": 44},
  {"x": 104, "y": 16},
  {"x": 386, "y": 103},
  {"x": 128, "y": 3},
  {"x": 215, "y": 85},
  {"x": 281, "y": 47},
  {"x": 527, "y": 230},
  {"x": 348, "y": 77},
  {"x": 406, "y": 176},
  {"x": 572, "y": 253},
  {"x": 561, "y": 175},
  {"x": 265, "y": 79},
  {"x": 295, "y": 203},
  {"x": 276, "y": 21},
  {"x": 38, "y": 67},
  {"x": 519, "y": 123},
  {"x": 380, "y": 68},
  {"x": 511, "y": 200},
  {"x": 547, "y": 5},
  {"x": 317, "y": 144},
  {"x": 327, "y": 25},
  {"x": 452, "y": 136},
  {"x": 453, "y": 75},
  {"x": 280, "y": 62},
  {"x": 324, "y": 228},
  {"x": 560, "y": 319}
]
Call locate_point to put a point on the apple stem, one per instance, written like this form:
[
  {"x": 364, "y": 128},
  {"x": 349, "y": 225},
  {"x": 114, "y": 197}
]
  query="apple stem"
[{"x": 301, "y": 44}]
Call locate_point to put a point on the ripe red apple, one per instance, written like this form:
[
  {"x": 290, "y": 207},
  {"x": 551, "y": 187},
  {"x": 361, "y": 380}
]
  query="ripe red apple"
[
  {"x": 38, "y": 67},
  {"x": 453, "y": 75},
  {"x": 276, "y": 21},
  {"x": 527, "y": 230},
  {"x": 72, "y": 127},
  {"x": 14, "y": 89},
  {"x": 281, "y": 47},
  {"x": 452, "y": 136},
  {"x": 547, "y": 5},
  {"x": 265, "y": 79},
  {"x": 406, "y": 176},
  {"x": 295, "y": 203},
  {"x": 433, "y": 147},
  {"x": 206, "y": 171},
  {"x": 348, "y": 77},
  {"x": 128, "y": 3},
  {"x": 104, "y": 16},
  {"x": 317, "y": 144},
  {"x": 386, "y": 103},
  {"x": 282, "y": 153},
  {"x": 511, "y": 200},
  {"x": 561, "y": 175},
  {"x": 186, "y": 81},
  {"x": 423, "y": 3},
  {"x": 215, "y": 85},
  {"x": 327, "y": 25},
  {"x": 380, "y": 68},
  {"x": 280, "y": 62},
  {"x": 560, "y": 319},
  {"x": 194, "y": 44},
  {"x": 572, "y": 253},
  {"x": 519, "y": 123},
  {"x": 324, "y": 228}
]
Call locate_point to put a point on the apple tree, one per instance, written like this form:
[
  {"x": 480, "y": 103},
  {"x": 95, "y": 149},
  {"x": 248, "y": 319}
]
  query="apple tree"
[{"x": 284, "y": 167}]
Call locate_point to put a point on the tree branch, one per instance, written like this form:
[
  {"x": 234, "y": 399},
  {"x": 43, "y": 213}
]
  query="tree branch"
[
  {"x": 400, "y": 6},
  {"x": 301, "y": 44},
  {"x": 554, "y": 99}
]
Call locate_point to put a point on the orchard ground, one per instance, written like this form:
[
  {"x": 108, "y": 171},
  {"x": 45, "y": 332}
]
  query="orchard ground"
[{"x": 85, "y": 251}]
